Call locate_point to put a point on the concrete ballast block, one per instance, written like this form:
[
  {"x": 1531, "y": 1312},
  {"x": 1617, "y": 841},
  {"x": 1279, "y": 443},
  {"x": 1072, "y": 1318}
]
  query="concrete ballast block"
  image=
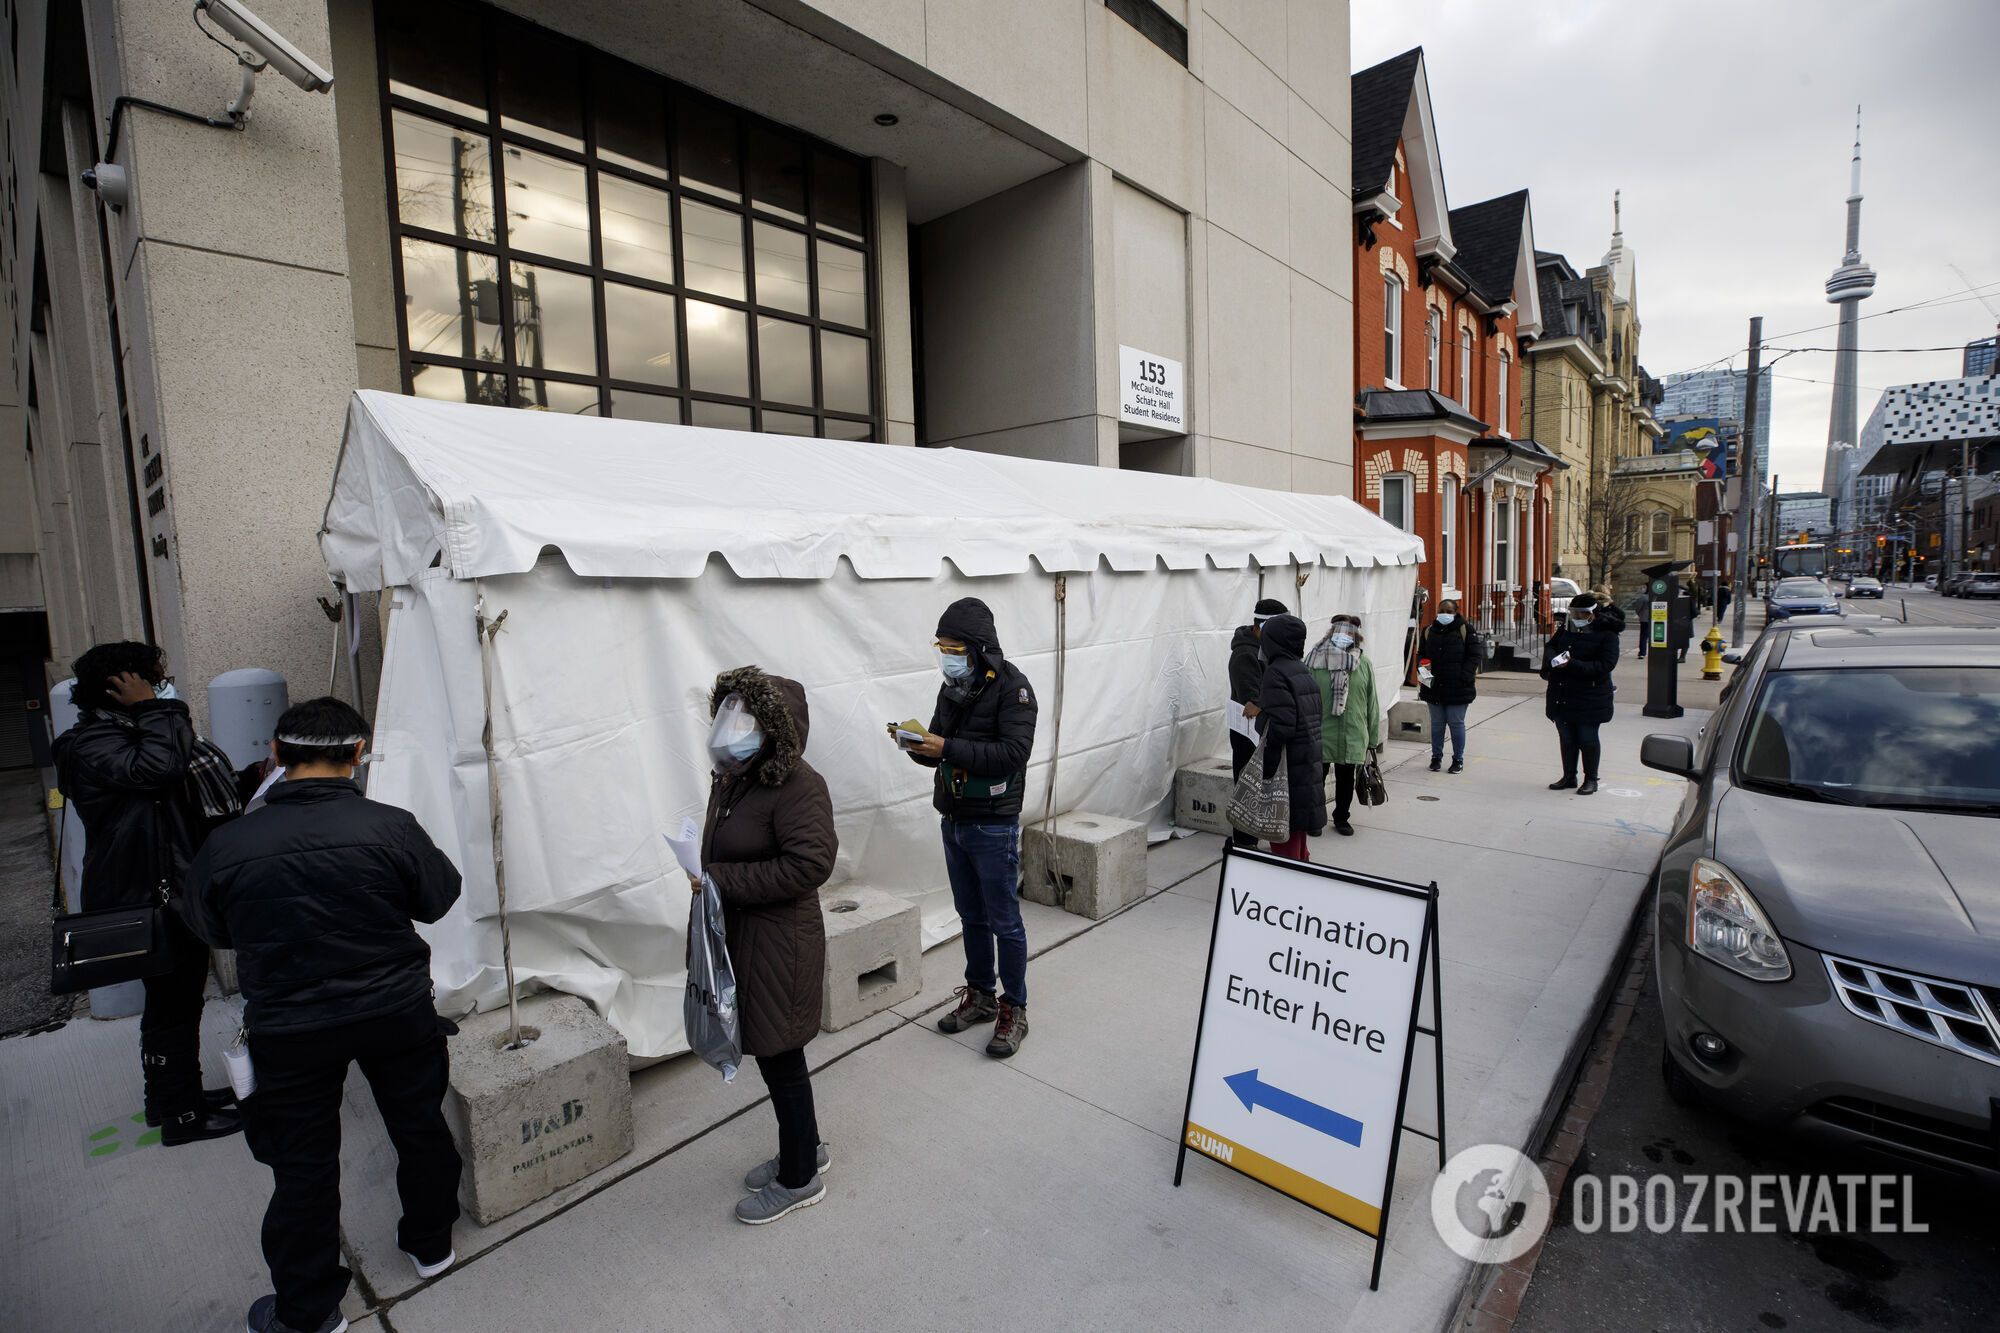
[
  {"x": 533, "y": 1120},
  {"x": 1410, "y": 720},
  {"x": 1201, "y": 796},
  {"x": 1092, "y": 866},
  {"x": 874, "y": 954}
]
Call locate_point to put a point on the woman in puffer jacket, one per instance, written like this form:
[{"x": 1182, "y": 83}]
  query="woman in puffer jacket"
[{"x": 769, "y": 845}]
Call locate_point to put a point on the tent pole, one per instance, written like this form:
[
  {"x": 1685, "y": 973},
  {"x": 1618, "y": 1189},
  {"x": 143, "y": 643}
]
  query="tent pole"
[
  {"x": 1055, "y": 752},
  {"x": 487, "y": 630}
]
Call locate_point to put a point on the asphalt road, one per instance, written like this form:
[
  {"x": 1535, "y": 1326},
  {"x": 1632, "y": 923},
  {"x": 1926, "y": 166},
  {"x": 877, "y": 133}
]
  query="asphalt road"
[
  {"x": 1927, "y": 608},
  {"x": 1948, "y": 1278}
]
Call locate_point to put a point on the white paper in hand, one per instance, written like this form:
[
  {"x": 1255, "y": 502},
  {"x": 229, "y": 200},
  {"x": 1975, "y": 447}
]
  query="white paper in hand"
[{"x": 687, "y": 847}]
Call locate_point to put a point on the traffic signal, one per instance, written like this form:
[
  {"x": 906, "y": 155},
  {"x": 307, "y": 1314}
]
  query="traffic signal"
[{"x": 1881, "y": 541}]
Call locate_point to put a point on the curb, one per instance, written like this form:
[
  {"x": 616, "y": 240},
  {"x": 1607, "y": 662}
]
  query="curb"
[{"x": 1498, "y": 1303}]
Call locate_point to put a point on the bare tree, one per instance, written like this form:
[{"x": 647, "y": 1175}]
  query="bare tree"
[{"x": 1614, "y": 508}]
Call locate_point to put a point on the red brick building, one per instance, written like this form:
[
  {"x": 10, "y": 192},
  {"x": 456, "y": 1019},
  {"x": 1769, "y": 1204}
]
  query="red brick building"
[{"x": 1444, "y": 299}]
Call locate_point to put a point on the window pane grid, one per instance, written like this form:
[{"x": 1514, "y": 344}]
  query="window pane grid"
[{"x": 560, "y": 275}]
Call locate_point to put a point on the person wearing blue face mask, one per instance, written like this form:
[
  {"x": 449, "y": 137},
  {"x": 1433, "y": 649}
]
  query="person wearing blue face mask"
[
  {"x": 1350, "y": 711},
  {"x": 979, "y": 740},
  {"x": 1447, "y": 669}
]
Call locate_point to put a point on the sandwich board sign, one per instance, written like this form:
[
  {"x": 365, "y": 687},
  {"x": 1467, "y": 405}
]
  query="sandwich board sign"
[{"x": 1309, "y": 1016}]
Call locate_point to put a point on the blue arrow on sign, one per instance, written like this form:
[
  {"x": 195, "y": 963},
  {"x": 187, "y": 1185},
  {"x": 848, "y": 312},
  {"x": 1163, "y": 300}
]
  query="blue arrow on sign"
[{"x": 1253, "y": 1093}]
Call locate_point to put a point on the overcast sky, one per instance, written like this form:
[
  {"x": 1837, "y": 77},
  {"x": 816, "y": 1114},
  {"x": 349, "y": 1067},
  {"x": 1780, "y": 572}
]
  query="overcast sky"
[{"x": 1729, "y": 126}]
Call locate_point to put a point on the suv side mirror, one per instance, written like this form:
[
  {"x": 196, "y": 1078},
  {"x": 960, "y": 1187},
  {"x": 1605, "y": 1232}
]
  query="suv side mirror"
[{"x": 1669, "y": 754}]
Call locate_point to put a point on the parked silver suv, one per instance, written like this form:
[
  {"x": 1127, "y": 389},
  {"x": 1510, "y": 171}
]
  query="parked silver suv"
[{"x": 1828, "y": 906}]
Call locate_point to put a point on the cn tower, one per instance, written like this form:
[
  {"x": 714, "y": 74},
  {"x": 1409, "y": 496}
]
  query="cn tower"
[{"x": 1851, "y": 284}]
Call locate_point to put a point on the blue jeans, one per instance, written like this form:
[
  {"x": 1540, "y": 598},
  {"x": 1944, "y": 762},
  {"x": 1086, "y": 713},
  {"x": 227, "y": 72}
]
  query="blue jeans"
[
  {"x": 984, "y": 862},
  {"x": 1452, "y": 716}
]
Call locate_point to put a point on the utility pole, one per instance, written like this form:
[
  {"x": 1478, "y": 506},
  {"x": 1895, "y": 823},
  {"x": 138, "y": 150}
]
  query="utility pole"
[{"x": 1746, "y": 483}]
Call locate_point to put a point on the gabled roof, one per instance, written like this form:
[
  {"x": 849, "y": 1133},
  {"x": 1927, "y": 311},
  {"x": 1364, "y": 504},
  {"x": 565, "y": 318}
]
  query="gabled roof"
[
  {"x": 1381, "y": 101},
  {"x": 1391, "y": 105},
  {"x": 1489, "y": 243}
]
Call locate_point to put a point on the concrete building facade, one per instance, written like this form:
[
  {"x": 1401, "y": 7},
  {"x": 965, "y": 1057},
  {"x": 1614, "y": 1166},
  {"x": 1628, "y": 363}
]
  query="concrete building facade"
[{"x": 888, "y": 220}]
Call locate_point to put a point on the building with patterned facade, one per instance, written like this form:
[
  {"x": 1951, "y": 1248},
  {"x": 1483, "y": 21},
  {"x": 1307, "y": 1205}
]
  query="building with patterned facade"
[{"x": 1445, "y": 300}]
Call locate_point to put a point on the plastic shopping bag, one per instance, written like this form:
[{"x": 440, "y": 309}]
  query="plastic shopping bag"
[{"x": 714, "y": 1027}]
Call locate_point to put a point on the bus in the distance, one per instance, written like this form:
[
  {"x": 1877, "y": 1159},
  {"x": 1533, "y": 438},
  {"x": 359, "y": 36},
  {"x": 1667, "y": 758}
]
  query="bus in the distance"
[{"x": 1799, "y": 560}]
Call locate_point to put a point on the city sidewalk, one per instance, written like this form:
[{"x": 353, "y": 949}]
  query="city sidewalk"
[{"x": 1034, "y": 1193}]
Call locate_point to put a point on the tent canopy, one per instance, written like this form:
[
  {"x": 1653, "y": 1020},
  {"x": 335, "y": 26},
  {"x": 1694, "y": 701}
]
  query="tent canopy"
[{"x": 482, "y": 491}]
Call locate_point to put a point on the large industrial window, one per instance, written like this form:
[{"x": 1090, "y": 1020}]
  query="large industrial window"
[{"x": 575, "y": 234}]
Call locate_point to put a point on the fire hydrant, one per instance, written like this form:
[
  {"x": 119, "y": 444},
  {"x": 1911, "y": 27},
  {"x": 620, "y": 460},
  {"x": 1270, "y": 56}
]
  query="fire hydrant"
[{"x": 1711, "y": 654}]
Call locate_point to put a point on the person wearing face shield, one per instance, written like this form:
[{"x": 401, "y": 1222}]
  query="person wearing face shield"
[
  {"x": 1577, "y": 662},
  {"x": 319, "y": 892},
  {"x": 769, "y": 844},
  {"x": 981, "y": 734},
  {"x": 1447, "y": 676},
  {"x": 1350, "y": 711},
  {"x": 148, "y": 791}
]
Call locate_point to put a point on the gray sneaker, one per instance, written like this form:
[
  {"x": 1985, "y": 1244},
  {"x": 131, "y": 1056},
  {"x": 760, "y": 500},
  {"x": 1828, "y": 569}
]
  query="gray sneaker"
[
  {"x": 774, "y": 1201},
  {"x": 764, "y": 1174}
]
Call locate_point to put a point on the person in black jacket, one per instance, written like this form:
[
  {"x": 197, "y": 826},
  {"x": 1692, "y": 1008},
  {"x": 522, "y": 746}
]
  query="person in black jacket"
[
  {"x": 127, "y": 767},
  {"x": 1289, "y": 720},
  {"x": 1246, "y": 681},
  {"x": 979, "y": 741},
  {"x": 1448, "y": 674},
  {"x": 1577, "y": 662},
  {"x": 318, "y": 892}
]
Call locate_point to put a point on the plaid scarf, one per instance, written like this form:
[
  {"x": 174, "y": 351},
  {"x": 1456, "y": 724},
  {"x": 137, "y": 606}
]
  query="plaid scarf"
[
  {"x": 1338, "y": 663},
  {"x": 211, "y": 778}
]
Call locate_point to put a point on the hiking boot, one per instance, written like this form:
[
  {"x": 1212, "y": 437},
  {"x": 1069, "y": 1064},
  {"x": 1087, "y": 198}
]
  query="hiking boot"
[
  {"x": 1437, "y": 761},
  {"x": 212, "y": 1099},
  {"x": 764, "y": 1174},
  {"x": 1010, "y": 1029},
  {"x": 1564, "y": 783},
  {"x": 1589, "y": 787},
  {"x": 198, "y": 1126},
  {"x": 264, "y": 1319},
  {"x": 975, "y": 1006},
  {"x": 1457, "y": 766},
  {"x": 775, "y": 1200}
]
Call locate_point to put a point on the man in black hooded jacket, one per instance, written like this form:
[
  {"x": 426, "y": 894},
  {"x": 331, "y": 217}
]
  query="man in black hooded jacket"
[
  {"x": 980, "y": 738},
  {"x": 318, "y": 893},
  {"x": 1246, "y": 682}
]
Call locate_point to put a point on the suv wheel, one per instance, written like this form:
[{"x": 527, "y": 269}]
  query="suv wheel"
[{"x": 1684, "y": 1090}]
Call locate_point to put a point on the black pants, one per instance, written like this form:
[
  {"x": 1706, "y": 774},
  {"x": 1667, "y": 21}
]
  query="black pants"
[
  {"x": 1241, "y": 747},
  {"x": 1343, "y": 790},
  {"x": 1578, "y": 738},
  {"x": 785, "y": 1074},
  {"x": 293, "y": 1124},
  {"x": 170, "y": 1026}
]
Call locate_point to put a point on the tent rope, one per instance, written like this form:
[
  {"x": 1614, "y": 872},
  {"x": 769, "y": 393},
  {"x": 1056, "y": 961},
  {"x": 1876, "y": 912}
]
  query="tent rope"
[
  {"x": 1057, "y": 887},
  {"x": 488, "y": 630}
]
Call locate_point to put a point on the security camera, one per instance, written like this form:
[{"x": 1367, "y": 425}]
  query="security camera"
[
  {"x": 271, "y": 48},
  {"x": 111, "y": 183}
]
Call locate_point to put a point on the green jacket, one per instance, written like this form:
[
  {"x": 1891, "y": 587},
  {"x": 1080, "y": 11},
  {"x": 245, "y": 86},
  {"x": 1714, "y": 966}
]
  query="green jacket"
[{"x": 1347, "y": 739}]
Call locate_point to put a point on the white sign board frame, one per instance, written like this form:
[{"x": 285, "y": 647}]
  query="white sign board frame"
[
  {"x": 1152, "y": 391},
  {"x": 1311, "y": 1006}
]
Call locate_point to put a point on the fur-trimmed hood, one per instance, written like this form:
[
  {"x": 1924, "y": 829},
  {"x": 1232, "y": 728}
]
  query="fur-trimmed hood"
[{"x": 779, "y": 705}]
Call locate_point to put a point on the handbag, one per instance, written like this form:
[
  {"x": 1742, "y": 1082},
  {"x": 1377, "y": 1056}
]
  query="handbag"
[
  {"x": 1369, "y": 788},
  {"x": 1261, "y": 807},
  {"x": 107, "y": 946}
]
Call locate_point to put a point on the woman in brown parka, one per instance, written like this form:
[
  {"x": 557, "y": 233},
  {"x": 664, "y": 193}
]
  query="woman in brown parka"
[{"x": 769, "y": 845}]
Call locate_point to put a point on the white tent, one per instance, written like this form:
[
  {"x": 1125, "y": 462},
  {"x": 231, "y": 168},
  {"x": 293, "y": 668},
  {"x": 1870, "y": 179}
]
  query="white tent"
[{"x": 634, "y": 561}]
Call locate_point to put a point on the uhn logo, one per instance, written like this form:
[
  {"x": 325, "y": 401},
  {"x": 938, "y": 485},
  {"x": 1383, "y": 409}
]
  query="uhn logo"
[{"x": 571, "y": 1112}]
